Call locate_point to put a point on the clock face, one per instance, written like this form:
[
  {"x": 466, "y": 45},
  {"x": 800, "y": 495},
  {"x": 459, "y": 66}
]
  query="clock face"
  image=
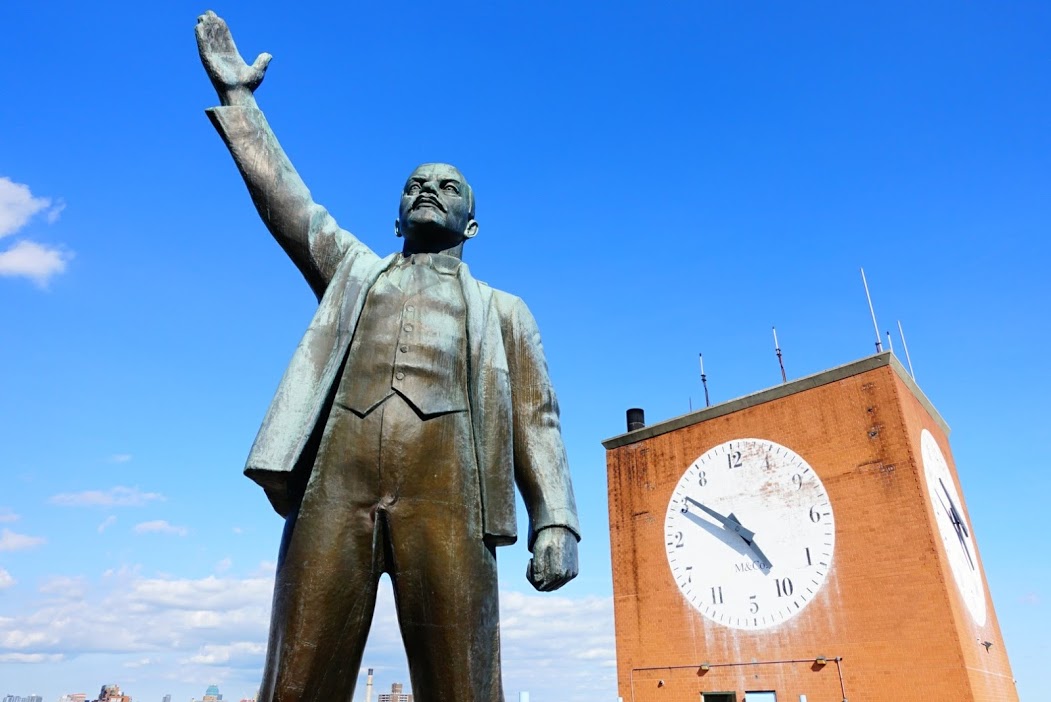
[
  {"x": 954, "y": 529},
  {"x": 749, "y": 534}
]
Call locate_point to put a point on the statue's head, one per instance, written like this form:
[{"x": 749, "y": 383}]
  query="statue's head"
[{"x": 437, "y": 209}]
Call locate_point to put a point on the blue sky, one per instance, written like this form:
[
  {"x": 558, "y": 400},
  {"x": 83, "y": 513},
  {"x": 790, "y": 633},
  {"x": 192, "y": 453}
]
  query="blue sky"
[{"x": 654, "y": 179}]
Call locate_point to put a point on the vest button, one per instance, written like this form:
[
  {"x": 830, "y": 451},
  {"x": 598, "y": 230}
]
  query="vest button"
[
  {"x": 399, "y": 376},
  {"x": 408, "y": 327},
  {"x": 404, "y": 349},
  {"x": 410, "y": 308}
]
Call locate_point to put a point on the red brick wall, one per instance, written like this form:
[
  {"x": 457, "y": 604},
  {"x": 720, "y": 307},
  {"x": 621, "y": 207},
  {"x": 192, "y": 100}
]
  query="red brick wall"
[{"x": 889, "y": 606}]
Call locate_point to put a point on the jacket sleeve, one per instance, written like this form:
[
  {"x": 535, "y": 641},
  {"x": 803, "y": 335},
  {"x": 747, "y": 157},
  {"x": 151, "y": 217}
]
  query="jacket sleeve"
[
  {"x": 304, "y": 229},
  {"x": 541, "y": 468}
]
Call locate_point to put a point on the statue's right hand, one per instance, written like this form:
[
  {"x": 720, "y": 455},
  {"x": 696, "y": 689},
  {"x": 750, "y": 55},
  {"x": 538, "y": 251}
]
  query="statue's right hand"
[{"x": 232, "y": 77}]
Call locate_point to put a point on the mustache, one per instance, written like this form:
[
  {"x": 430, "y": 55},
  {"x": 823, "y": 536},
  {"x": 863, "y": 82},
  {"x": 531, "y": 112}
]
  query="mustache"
[{"x": 429, "y": 200}]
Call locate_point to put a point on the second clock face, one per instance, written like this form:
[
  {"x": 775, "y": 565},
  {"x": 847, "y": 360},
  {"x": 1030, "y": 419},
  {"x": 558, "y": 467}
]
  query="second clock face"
[
  {"x": 953, "y": 528},
  {"x": 749, "y": 534}
]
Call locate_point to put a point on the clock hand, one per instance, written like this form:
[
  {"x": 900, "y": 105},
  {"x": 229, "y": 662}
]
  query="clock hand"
[
  {"x": 957, "y": 524},
  {"x": 955, "y": 512},
  {"x": 751, "y": 542},
  {"x": 963, "y": 545},
  {"x": 729, "y": 523}
]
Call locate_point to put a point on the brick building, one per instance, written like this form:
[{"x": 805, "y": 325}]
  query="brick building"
[{"x": 807, "y": 542}]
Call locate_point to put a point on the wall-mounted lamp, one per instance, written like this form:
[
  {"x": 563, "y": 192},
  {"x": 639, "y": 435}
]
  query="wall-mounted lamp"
[
  {"x": 705, "y": 667},
  {"x": 660, "y": 683},
  {"x": 987, "y": 644},
  {"x": 820, "y": 661}
]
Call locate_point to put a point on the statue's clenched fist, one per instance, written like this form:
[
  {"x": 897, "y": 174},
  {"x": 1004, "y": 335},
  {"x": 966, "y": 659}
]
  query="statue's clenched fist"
[
  {"x": 554, "y": 561},
  {"x": 234, "y": 80}
]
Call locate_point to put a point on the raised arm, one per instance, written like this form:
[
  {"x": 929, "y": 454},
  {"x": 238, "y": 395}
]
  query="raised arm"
[{"x": 304, "y": 229}]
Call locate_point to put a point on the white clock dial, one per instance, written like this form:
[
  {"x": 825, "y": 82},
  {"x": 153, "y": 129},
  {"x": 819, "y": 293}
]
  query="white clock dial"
[
  {"x": 953, "y": 527},
  {"x": 749, "y": 534}
]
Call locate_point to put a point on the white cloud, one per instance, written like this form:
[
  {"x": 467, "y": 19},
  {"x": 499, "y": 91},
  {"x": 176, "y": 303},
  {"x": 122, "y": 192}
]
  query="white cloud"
[
  {"x": 107, "y": 523},
  {"x": 160, "y": 526},
  {"x": 17, "y": 206},
  {"x": 55, "y": 212},
  {"x": 31, "y": 657},
  {"x": 11, "y": 541},
  {"x": 120, "y": 458},
  {"x": 224, "y": 565},
  {"x": 64, "y": 586},
  {"x": 141, "y": 663},
  {"x": 29, "y": 259},
  {"x": 6, "y": 580},
  {"x": 118, "y": 496},
  {"x": 26, "y": 258},
  {"x": 7, "y": 515},
  {"x": 558, "y": 647},
  {"x": 215, "y": 628},
  {"x": 243, "y": 652}
]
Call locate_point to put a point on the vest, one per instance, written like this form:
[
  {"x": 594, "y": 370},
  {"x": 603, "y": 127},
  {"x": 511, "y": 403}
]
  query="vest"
[{"x": 411, "y": 339}]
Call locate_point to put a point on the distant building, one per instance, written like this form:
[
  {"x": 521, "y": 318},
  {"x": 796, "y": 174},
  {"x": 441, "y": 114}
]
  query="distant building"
[
  {"x": 112, "y": 693},
  {"x": 166, "y": 698},
  {"x": 395, "y": 695},
  {"x": 74, "y": 697}
]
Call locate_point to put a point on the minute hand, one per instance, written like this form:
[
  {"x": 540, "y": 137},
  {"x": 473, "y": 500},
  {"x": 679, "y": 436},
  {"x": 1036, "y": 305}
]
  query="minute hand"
[{"x": 729, "y": 524}]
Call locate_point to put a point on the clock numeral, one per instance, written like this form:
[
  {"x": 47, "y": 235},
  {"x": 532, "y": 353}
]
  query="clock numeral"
[
  {"x": 678, "y": 540},
  {"x": 784, "y": 587},
  {"x": 734, "y": 459},
  {"x": 689, "y": 574},
  {"x": 797, "y": 480},
  {"x": 702, "y": 479},
  {"x": 809, "y": 562},
  {"x": 753, "y": 606},
  {"x": 815, "y": 514},
  {"x": 717, "y": 595}
]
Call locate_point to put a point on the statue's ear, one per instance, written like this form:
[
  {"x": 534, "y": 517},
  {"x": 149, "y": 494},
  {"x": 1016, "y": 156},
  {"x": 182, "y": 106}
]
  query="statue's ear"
[
  {"x": 471, "y": 230},
  {"x": 397, "y": 229}
]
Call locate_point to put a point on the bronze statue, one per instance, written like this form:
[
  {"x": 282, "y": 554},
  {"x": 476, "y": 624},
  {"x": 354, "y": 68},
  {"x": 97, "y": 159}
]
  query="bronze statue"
[{"x": 416, "y": 400}]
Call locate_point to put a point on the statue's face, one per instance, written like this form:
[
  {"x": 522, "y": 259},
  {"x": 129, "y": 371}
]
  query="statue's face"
[{"x": 435, "y": 211}]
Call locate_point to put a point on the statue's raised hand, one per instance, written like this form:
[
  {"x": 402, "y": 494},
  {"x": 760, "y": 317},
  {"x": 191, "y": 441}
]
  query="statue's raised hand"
[{"x": 234, "y": 80}]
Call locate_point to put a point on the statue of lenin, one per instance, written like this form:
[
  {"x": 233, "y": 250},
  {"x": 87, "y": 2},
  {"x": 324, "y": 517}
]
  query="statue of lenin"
[{"x": 415, "y": 402}]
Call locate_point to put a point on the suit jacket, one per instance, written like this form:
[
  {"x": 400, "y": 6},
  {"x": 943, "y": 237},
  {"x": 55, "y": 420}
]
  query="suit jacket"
[{"x": 513, "y": 408}]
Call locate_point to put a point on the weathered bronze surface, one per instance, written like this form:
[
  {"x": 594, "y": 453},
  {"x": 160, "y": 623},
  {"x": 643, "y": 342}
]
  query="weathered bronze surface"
[{"x": 416, "y": 400}]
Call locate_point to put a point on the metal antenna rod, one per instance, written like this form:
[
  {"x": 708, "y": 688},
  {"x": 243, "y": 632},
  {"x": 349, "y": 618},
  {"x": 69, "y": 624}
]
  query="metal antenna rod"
[
  {"x": 890, "y": 343},
  {"x": 879, "y": 346},
  {"x": 777, "y": 347},
  {"x": 902, "y": 333},
  {"x": 704, "y": 381}
]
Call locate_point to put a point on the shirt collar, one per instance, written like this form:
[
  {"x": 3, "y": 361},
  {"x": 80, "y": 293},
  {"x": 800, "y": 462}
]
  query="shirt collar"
[{"x": 442, "y": 263}]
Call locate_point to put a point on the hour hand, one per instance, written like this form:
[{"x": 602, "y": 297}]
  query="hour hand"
[
  {"x": 752, "y": 544},
  {"x": 729, "y": 523},
  {"x": 954, "y": 513}
]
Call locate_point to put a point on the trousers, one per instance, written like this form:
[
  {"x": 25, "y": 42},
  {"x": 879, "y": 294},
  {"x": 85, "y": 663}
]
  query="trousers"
[{"x": 391, "y": 492}]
